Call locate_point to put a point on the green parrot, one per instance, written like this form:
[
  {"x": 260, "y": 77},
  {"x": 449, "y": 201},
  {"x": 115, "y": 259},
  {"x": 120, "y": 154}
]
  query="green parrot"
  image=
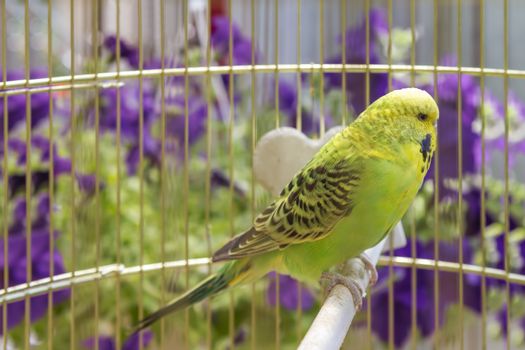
[{"x": 345, "y": 200}]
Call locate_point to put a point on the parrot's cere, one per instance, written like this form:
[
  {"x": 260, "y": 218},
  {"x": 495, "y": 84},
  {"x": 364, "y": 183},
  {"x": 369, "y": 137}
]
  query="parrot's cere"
[{"x": 342, "y": 202}]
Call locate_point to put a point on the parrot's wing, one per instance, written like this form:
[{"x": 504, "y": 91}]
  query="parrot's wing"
[{"x": 308, "y": 208}]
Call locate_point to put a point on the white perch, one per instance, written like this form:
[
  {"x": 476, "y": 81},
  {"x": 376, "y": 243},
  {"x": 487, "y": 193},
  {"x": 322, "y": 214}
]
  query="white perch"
[{"x": 329, "y": 328}]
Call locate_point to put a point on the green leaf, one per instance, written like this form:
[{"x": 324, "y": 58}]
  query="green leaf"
[
  {"x": 494, "y": 230},
  {"x": 517, "y": 235}
]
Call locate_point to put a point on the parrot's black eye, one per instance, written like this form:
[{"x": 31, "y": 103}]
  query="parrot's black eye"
[{"x": 422, "y": 117}]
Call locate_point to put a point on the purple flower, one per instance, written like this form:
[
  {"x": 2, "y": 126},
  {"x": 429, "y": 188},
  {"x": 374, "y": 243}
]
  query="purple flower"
[
  {"x": 130, "y": 120},
  {"x": 288, "y": 293},
  {"x": 502, "y": 318},
  {"x": 18, "y": 147},
  {"x": 40, "y": 176},
  {"x": 288, "y": 106},
  {"x": 220, "y": 26},
  {"x": 19, "y": 213},
  {"x": 151, "y": 150},
  {"x": 40, "y": 261},
  {"x": 17, "y": 182},
  {"x": 16, "y": 104},
  {"x": 18, "y": 225},
  {"x": 240, "y": 337},
  {"x": 127, "y": 52},
  {"x": 425, "y": 293},
  {"x": 87, "y": 183},
  {"x": 473, "y": 215},
  {"x": 41, "y": 146},
  {"x": 241, "y": 50},
  {"x": 356, "y": 54},
  {"x": 42, "y": 212},
  {"x": 355, "y": 36},
  {"x": 403, "y": 301},
  {"x": 175, "y": 129},
  {"x": 176, "y": 123},
  {"x": 129, "y": 109},
  {"x": 220, "y": 40},
  {"x": 106, "y": 342}
]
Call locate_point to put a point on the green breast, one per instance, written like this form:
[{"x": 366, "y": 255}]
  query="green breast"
[{"x": 383, "y": 196}]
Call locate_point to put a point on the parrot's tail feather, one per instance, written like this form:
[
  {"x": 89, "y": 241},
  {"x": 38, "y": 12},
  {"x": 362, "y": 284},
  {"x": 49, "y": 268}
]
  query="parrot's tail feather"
[{"x": 210, "y": 286}]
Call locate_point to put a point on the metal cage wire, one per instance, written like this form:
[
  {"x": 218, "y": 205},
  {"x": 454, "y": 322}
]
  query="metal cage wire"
[{"x": 78, "y": 83}]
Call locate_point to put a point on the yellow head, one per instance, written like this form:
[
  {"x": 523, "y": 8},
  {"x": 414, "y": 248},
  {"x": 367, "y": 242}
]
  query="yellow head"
[
  {"x": 411, "y": 107},
  {"x": 405, "y": 115}
]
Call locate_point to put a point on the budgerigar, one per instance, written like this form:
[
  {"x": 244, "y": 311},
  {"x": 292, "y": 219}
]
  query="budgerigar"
[{"x": 344, "y": 201}]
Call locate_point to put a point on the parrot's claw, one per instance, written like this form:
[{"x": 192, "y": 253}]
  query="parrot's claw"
[
  {"x": 330, "y": 279},
  {"x": 370, "y": 268}
]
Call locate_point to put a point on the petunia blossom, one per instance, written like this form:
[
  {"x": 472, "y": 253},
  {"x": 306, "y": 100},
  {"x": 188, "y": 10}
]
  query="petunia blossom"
[
  {"x": 289, "y": 293},
  {"x": 176, "y": 118},
  {"x": 220, "y": 41},
  {"x": 425, "y": 293},
  {"x": 40, "y": 260},
  {"x": 106, "y": 342},
  {"x": 16, "y": 104},
  {"x": 288, "y": 106},
  {"x": 128, "y": 52},
  {"x": 355, "y": 50}
]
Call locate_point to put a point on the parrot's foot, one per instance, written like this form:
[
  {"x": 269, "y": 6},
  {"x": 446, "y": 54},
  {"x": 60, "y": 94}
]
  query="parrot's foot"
[
  {"x": 370, "y": 268},
  {"x": 330, "y": 279}
]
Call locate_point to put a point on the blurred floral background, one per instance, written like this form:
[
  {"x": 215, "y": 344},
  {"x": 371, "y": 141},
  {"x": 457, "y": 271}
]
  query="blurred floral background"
[{"x": 139, "y": 171}]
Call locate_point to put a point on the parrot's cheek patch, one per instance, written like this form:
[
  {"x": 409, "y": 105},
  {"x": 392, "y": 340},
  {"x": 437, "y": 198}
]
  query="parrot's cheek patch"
[{"x": 426, "y": 145}]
